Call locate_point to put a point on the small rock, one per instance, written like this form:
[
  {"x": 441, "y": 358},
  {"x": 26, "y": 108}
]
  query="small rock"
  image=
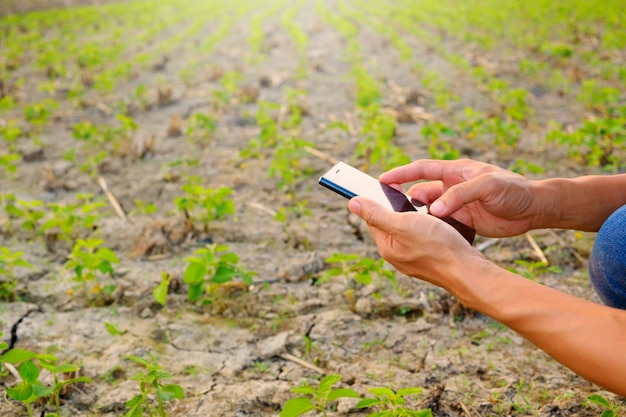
[
  {"x": 146, "y": 313},
  {"x": 273, "y": 345}
]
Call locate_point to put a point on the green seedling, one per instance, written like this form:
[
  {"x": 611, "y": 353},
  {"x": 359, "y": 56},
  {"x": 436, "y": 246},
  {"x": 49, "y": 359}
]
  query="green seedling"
[
  {"x": 211, "y": 267},
  {"x": 356, "y": 271},
  {"x": 89, "y": 261},
  {"x": 38, "y": 114},
  {"x": 532, "y": 269},
  {"x": 288, "y": 215},
  {"x": 230, "y": 85},
  {"x": 30, "y": 389},
  {"x": 143, "y": 208},
  {"x": 28, "y": 212},
  {"x": 287, "y": 162},
  {"x": 161, "y": 290},
  {"x": 295, "y": 108},
  {"x": 141, "y": 96},
  {"x": 438, "y": 148},
  {"x": 9, "y": 262},
  {"x": 599, "y": 142},
  {"x": 151, "y": 386},
  {"x": 391, "y": 403},
  {"x": 9, "y": 163},
  {"x": 601, "y": 99},
  {"x": 316, "y": 399},
  {"x": 69, "y": 221},
  {"x": 377, "y": 147},
  {"x": 608, "y": 409},
  {"x": 204, "y": 205},
  {"x": 113, "y": 329},
  {"x": 268, "y": 137},
  {"x": 201, "y": 126},
  {"x": 10, "y": 131}
]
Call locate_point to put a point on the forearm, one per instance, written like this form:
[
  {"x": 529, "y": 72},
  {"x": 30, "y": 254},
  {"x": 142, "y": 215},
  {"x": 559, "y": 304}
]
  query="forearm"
[
  {"x": 586, "y": 337},
  {"x": 582, "y": 203}
]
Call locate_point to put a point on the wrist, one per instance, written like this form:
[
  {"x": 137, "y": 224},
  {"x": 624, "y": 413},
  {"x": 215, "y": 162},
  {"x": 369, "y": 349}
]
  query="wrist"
[{"x": 546, "y": 209}]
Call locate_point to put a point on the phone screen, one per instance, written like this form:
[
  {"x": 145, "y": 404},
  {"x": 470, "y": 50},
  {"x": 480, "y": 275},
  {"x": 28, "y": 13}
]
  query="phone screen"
[{"x": 350, "y": 182}]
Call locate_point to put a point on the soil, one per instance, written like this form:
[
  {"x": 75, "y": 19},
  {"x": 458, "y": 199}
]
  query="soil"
[{"x": 235, "y": 357}]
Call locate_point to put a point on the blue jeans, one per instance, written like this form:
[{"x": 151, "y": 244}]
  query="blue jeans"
[{"x": 607, "y": 264}]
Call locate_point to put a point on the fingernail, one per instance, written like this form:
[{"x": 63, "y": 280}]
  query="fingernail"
[
  {"x": 354, "y": 206},
  {"x": 437, "y": 207}
]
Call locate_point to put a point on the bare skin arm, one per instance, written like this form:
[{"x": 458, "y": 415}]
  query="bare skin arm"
[
  {"x": 586, "y": 337},
  {"x": 499, "y": 203}
]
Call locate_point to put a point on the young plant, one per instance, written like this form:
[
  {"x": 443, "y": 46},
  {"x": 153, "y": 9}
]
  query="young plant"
[
  {"x": 391, "y": 403},
  {"x": 68, "y": 221},
  {"x": 608, "y": 409},
  {"x": 201, "y": 127},
  {"x": 9, "y": 261},
  {"x": 144, "y": 208},
  {"x": 151, "y": 386},
  {"x": 209, "y": 268},
  {"x": 30, "y": 389},
  {"x": 287, "y": 162},
  {"x": 29, "y": 212},
  {"x": 89, "y": 261},
  {"x": 204, "y": 204},
  {"x": 316, "y": 398},
  {"x": 357, "y": 270},
  {"x": 532, "y": 269}
]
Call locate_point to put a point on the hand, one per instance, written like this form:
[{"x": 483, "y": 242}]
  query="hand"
[
  {"x": 492, "y": 200},
  {"x": 416, "y": 244}
]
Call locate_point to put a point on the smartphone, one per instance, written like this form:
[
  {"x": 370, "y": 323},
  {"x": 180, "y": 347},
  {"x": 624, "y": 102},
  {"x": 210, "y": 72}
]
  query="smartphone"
[{"x": 350, "y": 182}]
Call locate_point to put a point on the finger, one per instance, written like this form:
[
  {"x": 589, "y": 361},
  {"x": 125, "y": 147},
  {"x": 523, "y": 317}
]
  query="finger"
[
  {"x": 426, "y": 192},
  {"x": 373, "y": 213},
  {"x": 461, "y": 194},
  {"x": 423, "y": 169}
]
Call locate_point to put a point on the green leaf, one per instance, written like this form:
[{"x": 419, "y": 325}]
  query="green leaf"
[
  {"x": 22, "y": 392},
  {"x": 382, "y": 392},
  {"x": 194, "y": 273},
  {"x": 136, "y": 407},
  {"x": 134, "y": 401},
  {"x": 328, "y": 381},
  {"x": 599, "y": 400},
  {"x": 67, "y": 367},
  {"x": 17, "y": 356},
  {"x": 177, "y": 390},
  {"x": 112, "y": 329},
  {"x": 29, "y": 371},
  {"x": 164, "y": 395},
  {"x": 194, "y": 292},
  {"x": 409, "y": 391},
  {"x": 40, "y": 390},
  {"x": 367, "y": 402},
  {"x": 296, "y": 407},
  {"x": 224, "y": 273},
  {"x": 229, "y": 258},
  {"x": 342, "y": 393},
  {"x": 160, "y": 292}
]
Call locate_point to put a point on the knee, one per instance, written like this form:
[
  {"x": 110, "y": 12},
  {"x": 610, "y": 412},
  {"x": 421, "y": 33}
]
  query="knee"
[{"x": 607, "y": 264}]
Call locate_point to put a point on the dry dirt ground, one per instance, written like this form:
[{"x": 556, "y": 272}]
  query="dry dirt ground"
[{"x": 230, "y": 356}]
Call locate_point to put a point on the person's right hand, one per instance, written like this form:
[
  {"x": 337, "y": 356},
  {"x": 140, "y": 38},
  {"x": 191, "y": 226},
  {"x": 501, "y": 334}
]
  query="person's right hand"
[{"x": 492, "y": 200}]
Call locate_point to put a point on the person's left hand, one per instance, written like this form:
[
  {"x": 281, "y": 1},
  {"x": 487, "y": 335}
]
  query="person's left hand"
[{"x": 416, "y": 244}]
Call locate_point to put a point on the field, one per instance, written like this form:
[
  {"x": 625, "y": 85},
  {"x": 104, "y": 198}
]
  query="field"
[{"x": 166, "y": 249}]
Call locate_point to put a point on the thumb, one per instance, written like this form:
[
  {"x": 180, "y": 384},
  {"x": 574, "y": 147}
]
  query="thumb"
[{"x": 373, "y": 213}]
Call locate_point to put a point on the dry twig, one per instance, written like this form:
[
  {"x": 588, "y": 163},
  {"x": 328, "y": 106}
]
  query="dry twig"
[
  {"x": 536, "y": 248},
  {"x": 114, "y": 203},
  {"x": 300, "y": 362},
  {"x": 321, "y": 155}
]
